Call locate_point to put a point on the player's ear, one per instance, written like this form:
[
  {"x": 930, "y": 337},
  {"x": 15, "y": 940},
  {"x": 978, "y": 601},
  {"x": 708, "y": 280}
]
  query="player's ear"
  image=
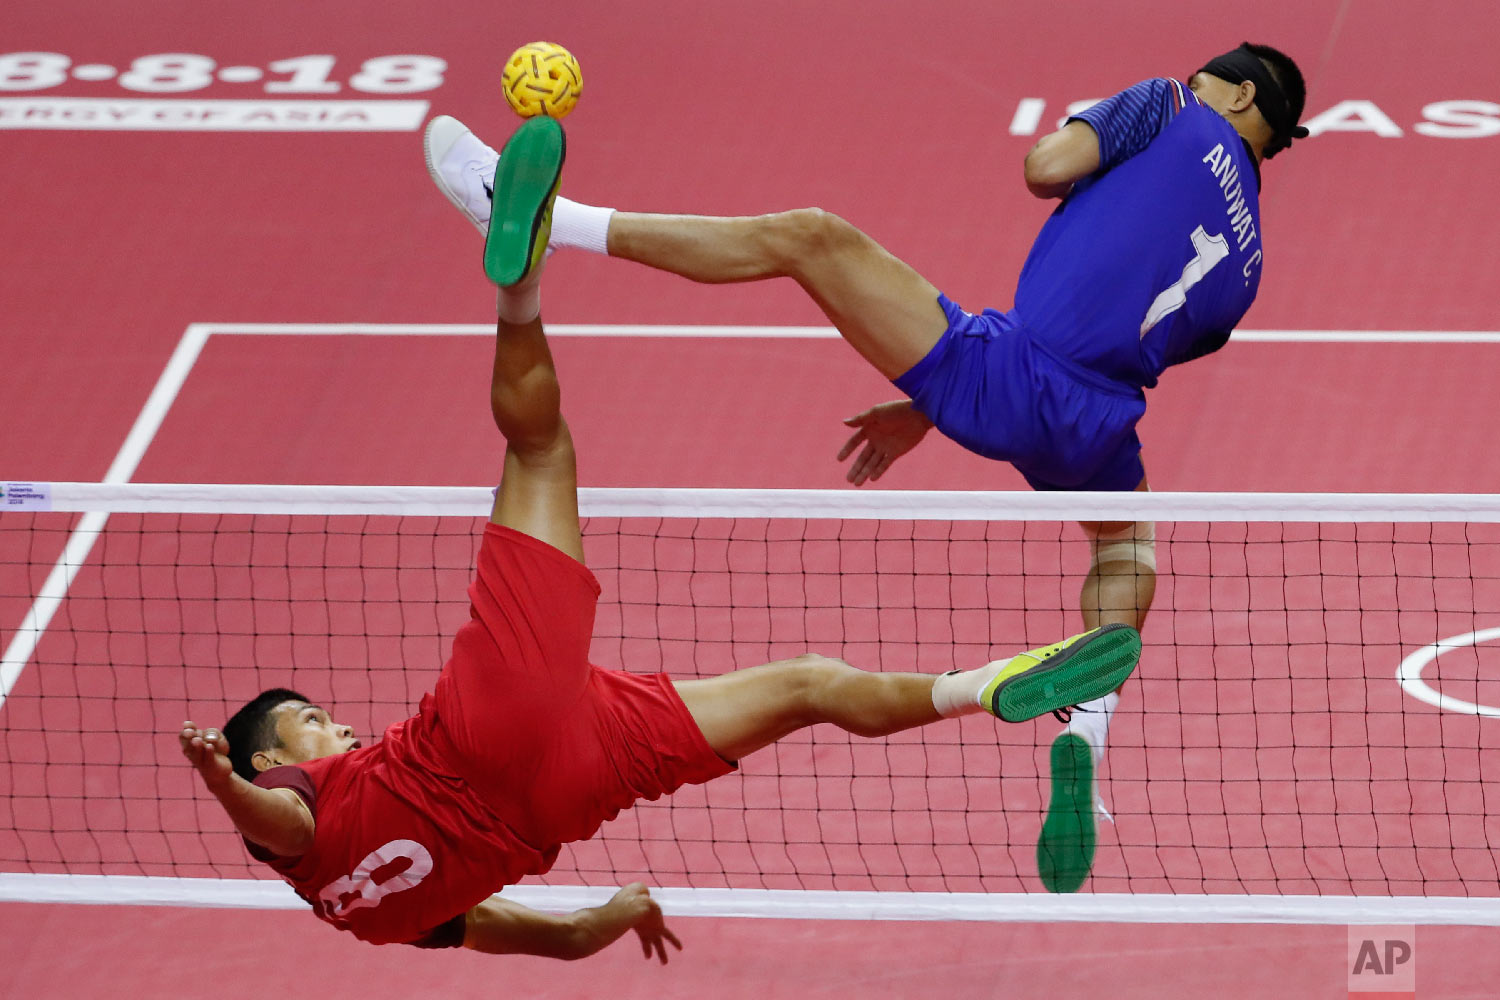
[
  {"x": 1244, "y": 96},
  {"x": 261, "y": 761}
]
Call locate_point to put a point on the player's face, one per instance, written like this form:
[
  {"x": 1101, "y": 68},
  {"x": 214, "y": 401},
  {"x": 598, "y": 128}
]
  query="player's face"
[{"x": 307, "y": 733}]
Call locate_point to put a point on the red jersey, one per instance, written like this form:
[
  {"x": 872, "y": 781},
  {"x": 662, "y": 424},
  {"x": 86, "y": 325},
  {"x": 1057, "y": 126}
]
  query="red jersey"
[
  {"x": 523, "y": 746},
  {"x": 393, "y": 818}
]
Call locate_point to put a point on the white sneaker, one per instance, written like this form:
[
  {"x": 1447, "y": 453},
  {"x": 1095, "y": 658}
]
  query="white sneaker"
[{"x": 462, "y": 167}]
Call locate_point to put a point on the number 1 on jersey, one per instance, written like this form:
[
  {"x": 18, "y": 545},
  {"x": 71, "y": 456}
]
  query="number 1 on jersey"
[{"x": 1209, "y": 250}]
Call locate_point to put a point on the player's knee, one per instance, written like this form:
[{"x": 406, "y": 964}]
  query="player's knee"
[
  {"x": 806, "y": 234},
  {"x": 813, "y": 679}
]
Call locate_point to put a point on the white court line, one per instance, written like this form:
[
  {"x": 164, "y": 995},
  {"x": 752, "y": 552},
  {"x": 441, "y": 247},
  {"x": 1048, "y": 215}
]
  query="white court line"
[
  {"x": 81, "y": 540},
  {"x": 798, "y": 332},
  {"x": 814, "y": 904}
]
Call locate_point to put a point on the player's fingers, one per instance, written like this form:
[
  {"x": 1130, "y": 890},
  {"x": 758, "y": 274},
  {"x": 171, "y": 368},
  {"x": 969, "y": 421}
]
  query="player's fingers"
[
  {"x": 851, "y": 444},
  {"x": 857, "y": 470},
  {"x": 852, "y": 474},
  {"x": 672, "y": 938},
  {"x": 859, "y": 418},
  {"x": 870, "y": 461}
]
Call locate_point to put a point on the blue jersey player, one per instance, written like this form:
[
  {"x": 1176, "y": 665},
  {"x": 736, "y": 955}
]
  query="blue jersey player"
[{"x": 1152, "y": 256}]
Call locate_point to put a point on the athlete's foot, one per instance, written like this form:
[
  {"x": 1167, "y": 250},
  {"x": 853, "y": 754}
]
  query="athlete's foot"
[
  {"x": 1065, "y": 851},
  {"x": 525, "y": 187},
  {"x": 462, "y": 167},
  {"x": 1054, "y": 678}
]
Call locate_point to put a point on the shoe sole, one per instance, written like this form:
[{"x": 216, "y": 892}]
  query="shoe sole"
[
  {"x": 526, "y": 181},
  {"x": 1065, "y": 852},
  {"x": 437, "y": 178},
  {"x": 1090, "y": 668}
]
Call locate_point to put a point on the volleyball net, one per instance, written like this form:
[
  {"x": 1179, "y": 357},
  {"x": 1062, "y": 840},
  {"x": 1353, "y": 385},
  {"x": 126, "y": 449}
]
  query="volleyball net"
[{"x": 1310, "y": 736}]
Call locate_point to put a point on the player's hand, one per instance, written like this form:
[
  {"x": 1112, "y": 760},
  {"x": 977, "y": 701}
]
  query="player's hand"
[
  {"x": 887, "y": 431},
  {"x": 208, "y": 751},
  {"x": 638, "y": 910}
]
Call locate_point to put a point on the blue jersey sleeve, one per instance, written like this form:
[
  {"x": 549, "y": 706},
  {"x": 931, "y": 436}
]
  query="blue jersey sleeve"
[{"x": 1127, "y": 122}]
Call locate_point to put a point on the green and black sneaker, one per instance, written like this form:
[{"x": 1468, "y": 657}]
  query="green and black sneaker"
[
  {"x": 526, "y": 182},
  {"x": 1065, "y": 852},
  {"x": 1054, "y": 678}
]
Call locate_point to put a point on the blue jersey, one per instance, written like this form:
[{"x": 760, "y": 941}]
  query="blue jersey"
[{"x": 1153, "y": 259}]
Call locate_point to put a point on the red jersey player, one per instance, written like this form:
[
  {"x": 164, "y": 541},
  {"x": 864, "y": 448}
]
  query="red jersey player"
[{"x": 523, "y": 745}]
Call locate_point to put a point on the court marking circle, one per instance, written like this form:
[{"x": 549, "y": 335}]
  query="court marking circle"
[{"x": 1409, "y": 673}]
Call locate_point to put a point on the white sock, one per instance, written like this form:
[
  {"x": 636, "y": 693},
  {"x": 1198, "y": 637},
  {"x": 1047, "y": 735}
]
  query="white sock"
[
  {"x": 1091, "y": 721},
  {"x": 522, "y": 302},
  {"x": 957, "y": 692},
  {"x": 583, "y": 227}
]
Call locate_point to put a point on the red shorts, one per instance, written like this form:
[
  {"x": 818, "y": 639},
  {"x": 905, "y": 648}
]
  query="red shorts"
[{"x": 554, "y": 745}]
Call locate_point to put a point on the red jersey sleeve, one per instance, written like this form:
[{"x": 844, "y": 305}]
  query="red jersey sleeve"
[{"x": 286, "y": 776}]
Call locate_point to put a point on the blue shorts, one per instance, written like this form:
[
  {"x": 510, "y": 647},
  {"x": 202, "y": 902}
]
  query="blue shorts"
[{"x": 988, "y": 385}]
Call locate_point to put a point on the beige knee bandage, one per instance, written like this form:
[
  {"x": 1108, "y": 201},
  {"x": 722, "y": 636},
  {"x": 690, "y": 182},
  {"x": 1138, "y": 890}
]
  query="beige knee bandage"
[{"x": 1133, "y": 543}]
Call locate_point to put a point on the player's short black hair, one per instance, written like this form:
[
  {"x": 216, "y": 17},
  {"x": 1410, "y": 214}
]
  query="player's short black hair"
[
  {"x": 253, "y": 729},
  {"x": 1288, "y": 77}
]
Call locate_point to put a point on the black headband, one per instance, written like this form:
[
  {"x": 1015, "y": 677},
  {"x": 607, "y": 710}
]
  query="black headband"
[{"x": 1240, "y": 65}]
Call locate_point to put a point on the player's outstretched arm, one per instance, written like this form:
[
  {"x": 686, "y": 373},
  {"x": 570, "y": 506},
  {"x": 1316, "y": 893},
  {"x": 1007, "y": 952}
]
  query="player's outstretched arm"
[
  {"x": 1058, "y": 160},
  {"x": 275, "y": 818},
  {"x": 887, "y": 431},
  {"x": 501, "y": 926}
]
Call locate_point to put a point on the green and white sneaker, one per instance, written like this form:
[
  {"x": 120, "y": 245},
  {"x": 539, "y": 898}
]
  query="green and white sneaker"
[
  {"x": 1055, "y": 678},
  {"x": 1065, "y": 852},
  {"x": 526, "y": 181}
]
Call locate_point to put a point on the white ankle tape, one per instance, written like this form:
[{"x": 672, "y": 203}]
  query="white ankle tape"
[
  {"x": 1134, "y": 543},
  {"x": 584, "y": 227}
]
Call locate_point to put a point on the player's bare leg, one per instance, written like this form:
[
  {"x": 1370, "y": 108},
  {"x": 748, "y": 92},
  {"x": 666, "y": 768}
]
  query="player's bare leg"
[
  {"x": 1121, "y": 581},
  {"x": 538, "y": 491},
  {"x": 1120, "y": 585},
  {"x": 886, "y": 310},
  {"x": 745, "y": 710}
]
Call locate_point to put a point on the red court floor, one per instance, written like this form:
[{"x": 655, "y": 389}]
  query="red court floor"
[{"x": 899, "y": 118}]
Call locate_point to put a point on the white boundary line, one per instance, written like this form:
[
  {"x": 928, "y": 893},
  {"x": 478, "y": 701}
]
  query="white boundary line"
[
  {"x": 812, "y": 904},
  {"x": 81, "y": 540},
  {"x": 800, "y": 332}
]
